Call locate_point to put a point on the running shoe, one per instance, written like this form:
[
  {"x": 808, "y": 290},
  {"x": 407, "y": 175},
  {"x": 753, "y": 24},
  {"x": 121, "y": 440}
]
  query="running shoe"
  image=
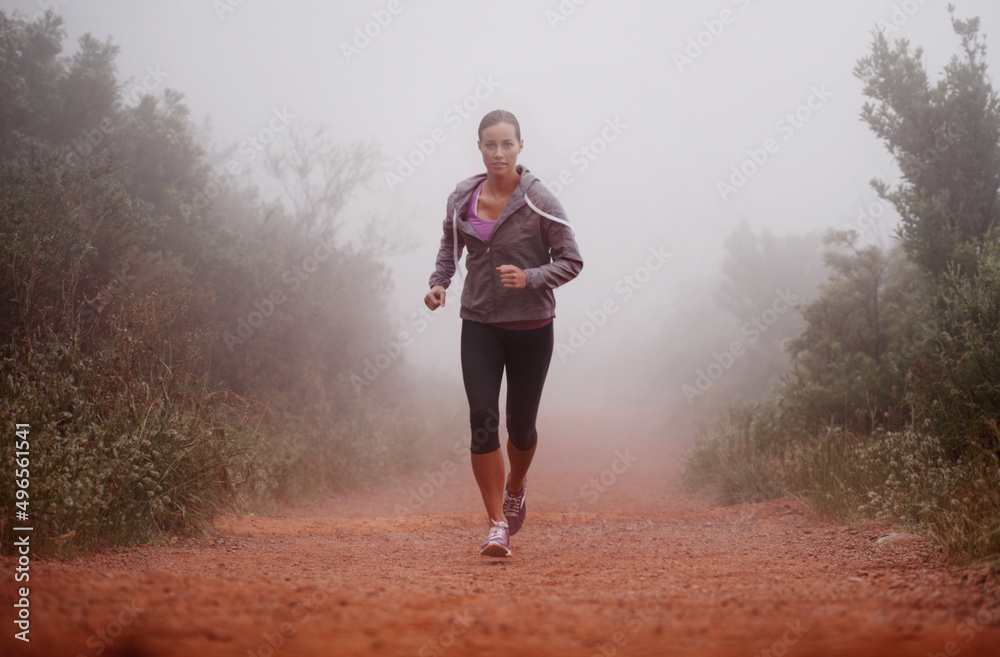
[
  {"x": 497, "y": 543},
  {"x": 514, "y": 508}
]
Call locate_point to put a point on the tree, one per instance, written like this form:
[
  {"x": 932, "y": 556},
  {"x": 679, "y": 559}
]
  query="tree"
[
  {"x": 319, "y": 175},
  {"x": 845, "y": 362},
  {"x": 955, "y": 376},
  {"x": 757, "y": 266},
  {"x": 946, "y": 141},
  {"x": 29, "y": 75}
]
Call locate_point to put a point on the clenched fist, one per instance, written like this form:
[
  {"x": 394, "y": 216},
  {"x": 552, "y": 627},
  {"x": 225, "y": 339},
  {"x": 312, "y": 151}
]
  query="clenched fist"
[
  {"x": 513, "y": 278},
  {"x": 435, "y": 297}
]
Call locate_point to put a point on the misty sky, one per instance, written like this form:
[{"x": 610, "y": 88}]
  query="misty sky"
[{"x": 664, "y": 123}]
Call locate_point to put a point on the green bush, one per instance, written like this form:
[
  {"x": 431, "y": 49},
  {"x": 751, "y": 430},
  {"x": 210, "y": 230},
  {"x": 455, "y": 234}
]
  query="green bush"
[
  {"x": 136, "y": 335},
  {"x": 909, "y": 480},
  {"x": 127, "y": 445},
  {"x": 892, "y": 409},
  {"x": 904, "y": 479},
  {"x": 955, "y": 376},
  {"x": 846, "y": 368}
]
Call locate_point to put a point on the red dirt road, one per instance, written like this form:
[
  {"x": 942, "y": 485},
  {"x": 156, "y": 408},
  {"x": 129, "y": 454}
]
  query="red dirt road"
[{"x": 610, "y": 562}]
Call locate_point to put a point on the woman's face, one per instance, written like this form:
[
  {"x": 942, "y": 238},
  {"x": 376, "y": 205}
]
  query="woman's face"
[{"x": 500, "y": 147}]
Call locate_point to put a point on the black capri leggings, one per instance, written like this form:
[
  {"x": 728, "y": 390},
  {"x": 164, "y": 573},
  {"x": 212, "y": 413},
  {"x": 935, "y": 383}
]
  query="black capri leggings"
[{"x": 486, "y": 351}]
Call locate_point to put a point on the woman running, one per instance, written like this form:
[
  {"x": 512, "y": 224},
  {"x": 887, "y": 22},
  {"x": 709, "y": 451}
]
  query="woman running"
[{"x": 520, "y": 247}]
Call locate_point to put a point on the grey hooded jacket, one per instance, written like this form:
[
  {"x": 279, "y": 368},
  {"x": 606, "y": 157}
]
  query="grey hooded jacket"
[{"x": 532, "y": 233}]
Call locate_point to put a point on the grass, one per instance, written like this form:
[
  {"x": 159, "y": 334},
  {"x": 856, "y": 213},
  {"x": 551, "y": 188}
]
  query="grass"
[
  {"x": 126, "y": 445},
  {"x": 907, "y": 479},
  {"x": 132, "y": 443}
]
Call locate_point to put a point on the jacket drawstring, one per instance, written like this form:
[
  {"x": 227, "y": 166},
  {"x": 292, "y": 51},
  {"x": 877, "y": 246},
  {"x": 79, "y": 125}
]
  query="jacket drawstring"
[
  {"x": 547, "y": 215},
  {"x": 454, "y": 243}
]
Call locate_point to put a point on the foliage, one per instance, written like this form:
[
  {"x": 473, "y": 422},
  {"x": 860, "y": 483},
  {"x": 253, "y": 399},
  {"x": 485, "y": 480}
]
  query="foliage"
[
  {"x": 758, "y": 273},
  {"x": 946, "y": 140},
  {"x": 848, "y": 362},
  {"x": 127, "y": 445},
  {"x": 180, "y": 346},
  {"x": 906, "y": 479},
  {"x": 955, "y": 376},
  {"x": 740, "y": 461},
  {"x": 891, "y": 411},
  {"x": 757, "y": 266}
]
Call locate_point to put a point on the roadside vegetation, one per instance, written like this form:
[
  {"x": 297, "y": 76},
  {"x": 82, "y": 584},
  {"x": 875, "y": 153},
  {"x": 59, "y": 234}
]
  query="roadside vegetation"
[
  {"x": 890, "y": 409},
  {"x": 179, "y": 345}
]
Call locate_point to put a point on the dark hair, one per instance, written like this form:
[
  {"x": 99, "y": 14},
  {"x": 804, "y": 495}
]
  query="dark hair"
[{"x": 499, "y": 116}]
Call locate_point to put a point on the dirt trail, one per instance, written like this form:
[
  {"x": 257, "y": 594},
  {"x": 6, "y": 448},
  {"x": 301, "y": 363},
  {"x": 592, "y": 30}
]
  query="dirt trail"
[{"x": 610, "y": 562}]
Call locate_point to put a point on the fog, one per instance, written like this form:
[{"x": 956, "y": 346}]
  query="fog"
[{"x": 637, "y": 114}]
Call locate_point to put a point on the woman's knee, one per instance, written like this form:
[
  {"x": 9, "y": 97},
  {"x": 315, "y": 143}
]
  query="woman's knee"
[
  {"x": 523, "y": 440},
  {"x": 485, "y": 425}
]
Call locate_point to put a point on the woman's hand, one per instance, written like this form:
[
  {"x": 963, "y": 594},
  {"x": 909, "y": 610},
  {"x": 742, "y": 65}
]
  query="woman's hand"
[
  {"x": 513, "y": 278},
  {"x": 435, "y": 297}
]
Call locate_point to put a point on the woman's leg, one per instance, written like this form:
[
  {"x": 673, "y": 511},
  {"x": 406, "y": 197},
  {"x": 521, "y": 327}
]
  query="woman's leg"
[
  {"x": 482, "y": 372},
  {"x": 528, "y": 354},
  {"x": 520, "y": 461},
  {"x": 488, "y": 469}
]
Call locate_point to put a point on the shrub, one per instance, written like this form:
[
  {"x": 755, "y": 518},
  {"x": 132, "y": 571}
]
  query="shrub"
[
  {"x": 955, "y": 377},
  {"x": 742, "y": 460},
  {"x": 128, "y": 443},
  {"x": 907, "y": 479}
]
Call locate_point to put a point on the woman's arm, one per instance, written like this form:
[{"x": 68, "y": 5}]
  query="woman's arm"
[
  {"x": 447, "y": 261},
  {"x": 566, "y": 259}
]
